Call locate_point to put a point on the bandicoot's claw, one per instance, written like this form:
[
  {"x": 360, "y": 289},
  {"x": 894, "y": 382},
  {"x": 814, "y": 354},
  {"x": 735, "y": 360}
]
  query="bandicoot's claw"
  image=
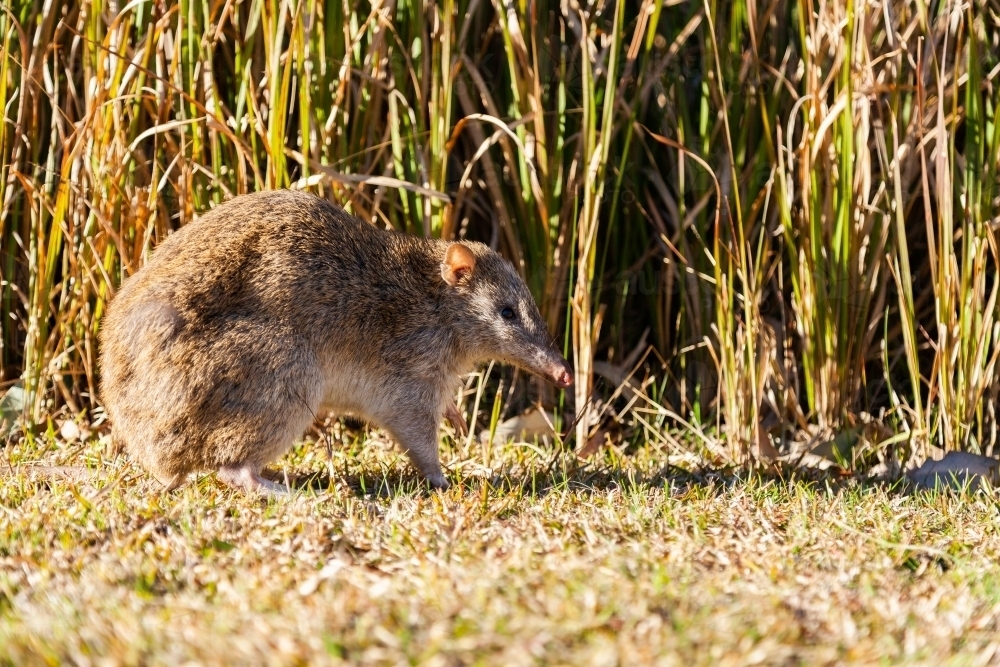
[{"x": 452, "y": 414}]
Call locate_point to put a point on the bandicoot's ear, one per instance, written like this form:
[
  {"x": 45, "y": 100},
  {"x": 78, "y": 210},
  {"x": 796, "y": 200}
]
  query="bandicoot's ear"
[{"x": 458, "y": 264}]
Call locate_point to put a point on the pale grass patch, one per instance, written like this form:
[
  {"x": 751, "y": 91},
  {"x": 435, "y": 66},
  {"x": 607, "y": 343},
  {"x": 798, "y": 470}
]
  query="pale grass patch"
[{"x": 540, "y": 560}]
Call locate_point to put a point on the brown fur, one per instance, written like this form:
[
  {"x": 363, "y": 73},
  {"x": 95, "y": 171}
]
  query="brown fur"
[{"x": 277, "y": 306}]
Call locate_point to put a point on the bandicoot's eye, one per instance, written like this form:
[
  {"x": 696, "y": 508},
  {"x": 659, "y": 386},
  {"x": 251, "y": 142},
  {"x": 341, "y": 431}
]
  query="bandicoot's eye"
[{"x": 508, "y": 313}]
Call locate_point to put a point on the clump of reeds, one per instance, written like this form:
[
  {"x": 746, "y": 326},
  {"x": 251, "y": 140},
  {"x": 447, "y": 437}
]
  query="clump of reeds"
[{"x": 794, "y": 203}]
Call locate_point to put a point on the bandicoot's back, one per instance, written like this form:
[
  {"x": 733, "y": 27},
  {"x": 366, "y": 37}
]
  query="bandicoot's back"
[{"x": 275, "y": 306}]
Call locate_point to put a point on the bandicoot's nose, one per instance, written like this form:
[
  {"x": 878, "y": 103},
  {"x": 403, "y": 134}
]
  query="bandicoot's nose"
[{"x": 562, "y": 376}]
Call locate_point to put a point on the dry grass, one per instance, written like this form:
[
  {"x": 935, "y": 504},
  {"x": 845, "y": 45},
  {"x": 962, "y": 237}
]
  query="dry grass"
[
  {"x": 795, "y": 203},
  {"x": 541, "y": 560}
]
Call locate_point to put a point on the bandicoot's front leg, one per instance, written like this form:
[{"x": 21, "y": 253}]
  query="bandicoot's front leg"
[{"x": 416, "y": 431}]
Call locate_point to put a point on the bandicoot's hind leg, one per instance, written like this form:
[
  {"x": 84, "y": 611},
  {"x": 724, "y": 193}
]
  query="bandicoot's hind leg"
[
  {"x": 260, "y": 401},
  {"x": 247, "y": 477}
]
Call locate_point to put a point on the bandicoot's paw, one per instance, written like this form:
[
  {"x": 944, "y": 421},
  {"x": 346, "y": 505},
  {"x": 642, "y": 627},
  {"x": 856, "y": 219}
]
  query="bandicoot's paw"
[
  {"x": 247, "y": 478},
  {"x": 439, "y": 482}
]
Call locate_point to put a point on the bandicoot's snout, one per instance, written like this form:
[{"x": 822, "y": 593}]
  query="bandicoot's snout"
[
  {"x": 554, "y": 368},
  {"x": 562, "y": 375},
  {"x": 545, "y": 362}
]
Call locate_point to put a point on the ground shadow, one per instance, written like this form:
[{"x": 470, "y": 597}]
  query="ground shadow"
[
  {"x": 384, "y": 484},
  {"x": 566, "y": 472}
]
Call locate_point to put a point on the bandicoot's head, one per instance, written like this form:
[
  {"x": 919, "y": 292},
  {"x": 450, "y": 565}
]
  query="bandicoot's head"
[{"x": 498, "y": 318}]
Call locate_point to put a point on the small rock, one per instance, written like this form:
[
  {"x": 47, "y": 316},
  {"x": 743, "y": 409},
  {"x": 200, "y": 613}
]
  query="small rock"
[{"x": 69, "y": 431}]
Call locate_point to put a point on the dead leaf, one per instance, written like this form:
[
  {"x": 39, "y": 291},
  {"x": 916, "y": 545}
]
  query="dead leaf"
[
  {"x": 12, "y": 404},
  {"x": 955, "y": 470},
  {"x": 452, "y": 414},
  {"x": 594, "y": 442},
  {"x": 839, "y": 448},
  {"x": 765, "y": 450},
  {"x": 526, "y": 427}
]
